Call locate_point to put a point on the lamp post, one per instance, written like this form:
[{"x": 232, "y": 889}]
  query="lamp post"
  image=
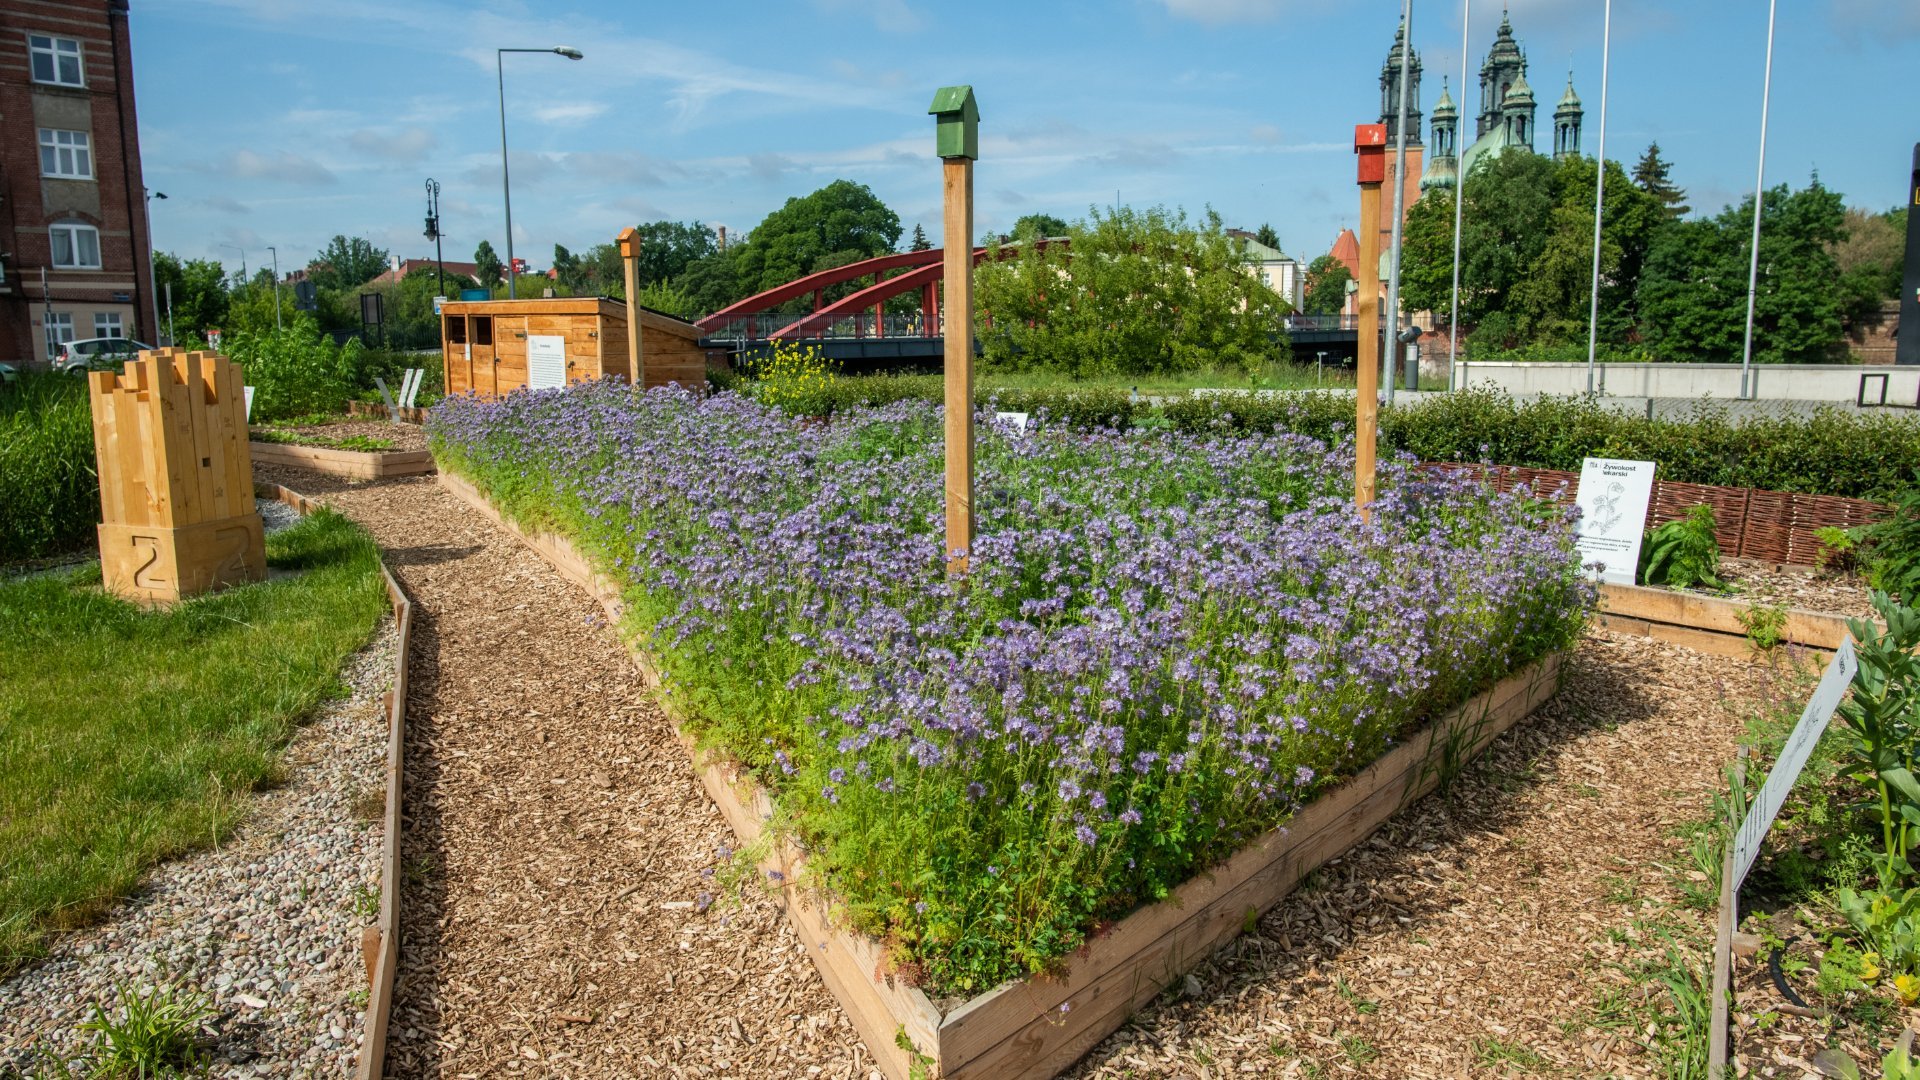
[
  {"x": 433, "y": 230},
  {"x": 153, "y": 286},
  {"x": 276, "y": 287},
  {"x": 1759, "y": 198},
  {"x": 506, "y": 185}
]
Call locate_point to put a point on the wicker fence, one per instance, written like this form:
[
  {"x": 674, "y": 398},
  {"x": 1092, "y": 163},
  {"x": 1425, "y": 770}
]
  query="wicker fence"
[{"x": 1772, "y": 526}]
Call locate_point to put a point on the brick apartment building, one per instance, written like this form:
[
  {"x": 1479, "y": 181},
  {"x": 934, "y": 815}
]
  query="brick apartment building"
[{"x": 73, "y": 210}]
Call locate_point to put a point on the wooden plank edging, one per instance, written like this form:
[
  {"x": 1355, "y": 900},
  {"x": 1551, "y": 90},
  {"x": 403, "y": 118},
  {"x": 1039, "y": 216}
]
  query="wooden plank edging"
[
  {"x": 359, "y": 464},
  {"x": 1708, "y": 623},
  {"x": 381, "y": 943},
  {"x": 1021, "y": 1028}
]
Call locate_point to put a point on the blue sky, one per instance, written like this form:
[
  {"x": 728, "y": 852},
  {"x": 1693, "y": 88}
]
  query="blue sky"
[{"x": 272, "y": 122}]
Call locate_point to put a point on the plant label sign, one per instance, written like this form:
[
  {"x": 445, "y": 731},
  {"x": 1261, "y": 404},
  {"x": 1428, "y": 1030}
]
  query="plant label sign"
[
  {"x": 1015, "y": 420},
  {"x": 1613, "y": 500},
  {"x": 546, "y": 361},
  {"x": 1793, "y": 757}
]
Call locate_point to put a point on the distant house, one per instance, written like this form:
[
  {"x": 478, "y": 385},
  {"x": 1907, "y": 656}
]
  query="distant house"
[
  {"x": 1281, "y": 272},
  {"x": 460, "y": 275}
]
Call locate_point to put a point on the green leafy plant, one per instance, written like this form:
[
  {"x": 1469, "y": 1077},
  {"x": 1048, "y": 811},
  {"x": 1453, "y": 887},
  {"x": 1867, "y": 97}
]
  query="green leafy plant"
[
  {"x": 1765, "y": 624},
  {"x": 153, "y": 1035},
  {"x": 49, "y": 492},
  {"x": 1888, "y": 924},
  {"x": 1683, "y": 553},
  {"x": 1892, "y": 546},
  {"x": 295, "y": 370},
  {"x": 1879, "y": 727},
  {"x": 1839, "y": 550}
]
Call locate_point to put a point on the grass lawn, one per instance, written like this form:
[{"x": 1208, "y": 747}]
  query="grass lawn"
[{"x": 128, "y": 736}]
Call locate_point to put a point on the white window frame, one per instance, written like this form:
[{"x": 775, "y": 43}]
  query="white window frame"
[
  {"x": 75, "y": 232},
  {"x": 58, "y": 326},
  {"x": 109, "y": 324},
  {"x": 66, "y": 154},
  {"x": 54, "y": 50}
]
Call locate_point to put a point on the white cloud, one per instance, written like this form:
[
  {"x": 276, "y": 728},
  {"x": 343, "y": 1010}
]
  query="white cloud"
[
  {"x": 285, "y": 166},
  {"x": 570, "y": 112},
  {"x": 406, "y": 145}
]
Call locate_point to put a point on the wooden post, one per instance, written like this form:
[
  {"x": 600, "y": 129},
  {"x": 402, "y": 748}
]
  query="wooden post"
[
  {"x": 958, "y": 146},
  {"x": 1719, "y": 1028},
  {"x": 1370, "y": 143},
  {"x": 630, "y": 256}
]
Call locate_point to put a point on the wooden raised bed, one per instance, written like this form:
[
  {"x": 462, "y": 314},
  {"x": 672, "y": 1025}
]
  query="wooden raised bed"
[
  {"x": 1037, "y": 1027},
  {"x": 355, "y": 463},
  {"x": 378, "y": 411},
  {"x": 1707, "y": 623}
]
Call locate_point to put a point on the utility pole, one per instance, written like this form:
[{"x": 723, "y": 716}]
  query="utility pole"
[{"x": 276, "y": 287}]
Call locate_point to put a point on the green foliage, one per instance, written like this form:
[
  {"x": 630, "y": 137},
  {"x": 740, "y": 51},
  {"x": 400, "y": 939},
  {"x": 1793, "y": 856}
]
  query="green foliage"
[
  {"x": 347, "y": 262},
  {"x": 1765, "y": 625},
  {"x": 1869, "y": 257},
  {"x": 131, "y": 735},
  {"x": 49, "y": 493},
  {"x": 1827, "y": 452},
  {"x": 1326, "y": 285},
  {"x": 797, "y": 379},
  {"x": 1693, "y": 297},
  {"x": 667, "y": 248},
  {"x": 408, "y": 307},
  {"x": 1526, "y": 251},
  {"x": 487, "y": 264},
  {"x": 670, "y": 298},
  {"x": 154, "y": 1035},
  {"x": 1888, "y": 924},
  {"x": 1031, "y": 226},
  {"x": 1682, "y": 554},
  {"x": 1652, "y": 175},
  {"x": 199, "y": 292},
  {"x": 838, "y": 224},
  {"x": 1890, "y": 547},
  {"x": 295, "y": 371},
  {"x": 1881, "y": 721},
  {"x": 1137, "y": 292}
]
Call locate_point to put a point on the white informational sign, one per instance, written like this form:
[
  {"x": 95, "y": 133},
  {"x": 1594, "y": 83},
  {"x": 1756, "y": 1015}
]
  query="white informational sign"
[
  {"x": 437, "y": 301},
  {"x": 1015, "y": 420},
  {"x": 249, "y": 404},
  {"x": 1793, "y": 757},
  {"x": 1613, "y": 499},
  {"x": 546, "y": 361}
]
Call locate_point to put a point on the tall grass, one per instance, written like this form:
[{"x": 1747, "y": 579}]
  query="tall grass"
[
  {"x": 49, "y": 494},
  {"x": 128, "y": 736}
]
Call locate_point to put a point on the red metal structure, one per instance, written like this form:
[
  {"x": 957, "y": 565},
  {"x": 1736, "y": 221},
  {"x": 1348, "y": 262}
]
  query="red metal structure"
[{"x": 754, "y": 319}]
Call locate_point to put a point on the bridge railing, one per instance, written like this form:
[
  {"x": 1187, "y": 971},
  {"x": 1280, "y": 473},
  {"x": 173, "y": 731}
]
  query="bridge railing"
[
  {"x": 760, "y": 326},
  {"x": 1344, "y": 322}
]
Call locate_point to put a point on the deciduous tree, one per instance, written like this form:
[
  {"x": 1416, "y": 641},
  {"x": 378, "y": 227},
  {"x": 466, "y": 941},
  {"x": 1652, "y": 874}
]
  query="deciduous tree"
[{"x": 346, "y": 262}]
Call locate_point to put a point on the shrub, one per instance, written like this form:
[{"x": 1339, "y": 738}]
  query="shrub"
[
  {"x": 1682, "y": 553},
  {"x": 295, "y": 371},
  {"x": 1166, "y": 642},
  {"x": 797, "y": 379},
  {"x": 49, "y": 491},
  {"x": 1891, "y": 547}
]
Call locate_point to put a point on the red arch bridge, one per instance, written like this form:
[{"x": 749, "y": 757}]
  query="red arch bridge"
[{"x": 857, "y": 330}]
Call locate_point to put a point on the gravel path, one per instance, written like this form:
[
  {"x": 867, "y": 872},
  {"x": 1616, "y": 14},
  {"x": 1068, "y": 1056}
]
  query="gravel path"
[
  {"x": 557, "y": 839},
  {"x": 266, "y": 927}
]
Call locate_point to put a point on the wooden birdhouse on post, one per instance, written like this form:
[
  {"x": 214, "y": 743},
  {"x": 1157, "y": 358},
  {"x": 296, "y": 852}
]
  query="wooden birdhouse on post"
[
  {"x": 630, "y": 259},
  {"x": 176, "y": 481},
  {"x": 957, "y": 141}
]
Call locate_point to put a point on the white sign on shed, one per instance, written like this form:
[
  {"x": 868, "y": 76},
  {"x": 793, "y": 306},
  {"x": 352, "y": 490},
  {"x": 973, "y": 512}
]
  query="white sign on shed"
[
  {"x": 546, "y": 361},
  {"x": 1613, "y": 500}
]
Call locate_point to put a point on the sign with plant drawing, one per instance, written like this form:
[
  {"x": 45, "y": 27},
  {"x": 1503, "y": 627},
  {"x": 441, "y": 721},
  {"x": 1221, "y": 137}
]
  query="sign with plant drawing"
[{"x": 1613, "y": 499}]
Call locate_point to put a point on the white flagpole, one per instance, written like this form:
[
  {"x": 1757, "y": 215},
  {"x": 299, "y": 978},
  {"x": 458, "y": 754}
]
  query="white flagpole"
[
  {"x": 1399, "y": 204},
  {"x": 1599, "y": 194},
  {"x": 1759, "y": 194},
  {"x": 1459, "y": 193}
]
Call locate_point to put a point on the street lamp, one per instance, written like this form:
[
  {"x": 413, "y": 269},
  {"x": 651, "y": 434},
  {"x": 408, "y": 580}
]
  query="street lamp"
[
  {"x": 153, "y": 285},
  {"x": 276, "y": 287},
  {"x": 506, "y": 185},
  {"x": 433, "y": 230}
]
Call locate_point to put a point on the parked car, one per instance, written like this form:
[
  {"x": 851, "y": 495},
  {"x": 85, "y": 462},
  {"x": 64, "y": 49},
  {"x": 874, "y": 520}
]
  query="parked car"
[{"x": 96, "y": 354}]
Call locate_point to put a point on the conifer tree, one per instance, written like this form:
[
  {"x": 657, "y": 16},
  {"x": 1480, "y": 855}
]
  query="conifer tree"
[{"x": 1651, "y": 175}]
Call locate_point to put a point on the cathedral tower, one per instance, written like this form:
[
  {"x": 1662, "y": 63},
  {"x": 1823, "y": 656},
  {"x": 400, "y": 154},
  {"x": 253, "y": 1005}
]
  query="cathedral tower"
[
  {"x": 1390, "y": 91},
  {"x": 1443, "y": 166},
  {"x": 1518, "y": 111},
  {"x": 1566, "y": 123},
  {"x": 1505, "y": 65}
]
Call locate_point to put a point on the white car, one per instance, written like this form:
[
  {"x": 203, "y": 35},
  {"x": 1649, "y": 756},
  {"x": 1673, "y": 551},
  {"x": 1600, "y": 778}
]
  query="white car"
[{"x": 95, "y": 354}]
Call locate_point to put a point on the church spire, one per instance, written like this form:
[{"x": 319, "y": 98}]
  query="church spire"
[
  {"x": 1566, "y": 123},
  {"x": 1390, "y": 90}
]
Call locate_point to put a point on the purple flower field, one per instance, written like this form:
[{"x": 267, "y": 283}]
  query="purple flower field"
[{"x": 1166, "y": 644}]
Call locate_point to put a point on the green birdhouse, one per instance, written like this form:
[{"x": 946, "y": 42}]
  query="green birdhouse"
[{"x": 958, "y": 125}]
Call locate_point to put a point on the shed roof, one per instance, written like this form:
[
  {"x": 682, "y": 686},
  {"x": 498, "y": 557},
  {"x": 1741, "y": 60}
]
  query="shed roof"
[{"x": 575, "y": 305}]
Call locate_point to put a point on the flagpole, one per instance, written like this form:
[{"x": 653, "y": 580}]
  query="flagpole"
[
  {"x": 1459, "y": 194},
  {"x": 1399, "y": 204},
  {"x": 1759, "y": 194},
  {"x": 1599, "y": 194}
]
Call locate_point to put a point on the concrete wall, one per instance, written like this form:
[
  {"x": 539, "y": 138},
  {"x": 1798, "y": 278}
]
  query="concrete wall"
[{"x": 1771, "y": 382}]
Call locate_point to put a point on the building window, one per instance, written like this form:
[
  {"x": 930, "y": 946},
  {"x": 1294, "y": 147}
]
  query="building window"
[
  {"x": 59, "y": 331},
  {"x": 107, "y": 324},
  {"x": 66, "y": 153},
  {"x": 75, "y": 246},
  {"x": 55, "y": 60}
]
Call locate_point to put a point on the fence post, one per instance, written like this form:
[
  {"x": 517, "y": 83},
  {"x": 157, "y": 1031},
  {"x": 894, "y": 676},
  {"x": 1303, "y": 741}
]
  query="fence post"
[{"x": 176, "y": 481}]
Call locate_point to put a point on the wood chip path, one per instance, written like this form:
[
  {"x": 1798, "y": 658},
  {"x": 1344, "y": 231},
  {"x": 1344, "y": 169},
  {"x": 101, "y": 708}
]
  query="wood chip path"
[{"x": 556, "y": 838}]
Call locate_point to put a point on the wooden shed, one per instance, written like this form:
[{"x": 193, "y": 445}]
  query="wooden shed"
[{"x": 493, "y": 347}]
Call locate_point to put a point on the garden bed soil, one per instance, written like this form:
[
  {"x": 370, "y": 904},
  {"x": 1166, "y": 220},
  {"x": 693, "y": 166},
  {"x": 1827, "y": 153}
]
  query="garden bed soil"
[
  {"x": 1764, "y": 583},
  {"x": 318, "y": 450},
  {"x": 404, "y": 437},
  {"x": 267, "y": 927}
]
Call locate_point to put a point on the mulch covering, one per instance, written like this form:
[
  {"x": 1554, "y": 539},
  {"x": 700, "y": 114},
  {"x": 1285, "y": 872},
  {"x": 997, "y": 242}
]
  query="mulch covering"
[
  {"x": 556, "y": 838},
  {"x": 402, "y": 436}
]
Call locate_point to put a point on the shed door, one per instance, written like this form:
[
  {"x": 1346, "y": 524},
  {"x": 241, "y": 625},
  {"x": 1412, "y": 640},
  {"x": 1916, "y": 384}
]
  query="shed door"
[{"x": 486, "y": 367}]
